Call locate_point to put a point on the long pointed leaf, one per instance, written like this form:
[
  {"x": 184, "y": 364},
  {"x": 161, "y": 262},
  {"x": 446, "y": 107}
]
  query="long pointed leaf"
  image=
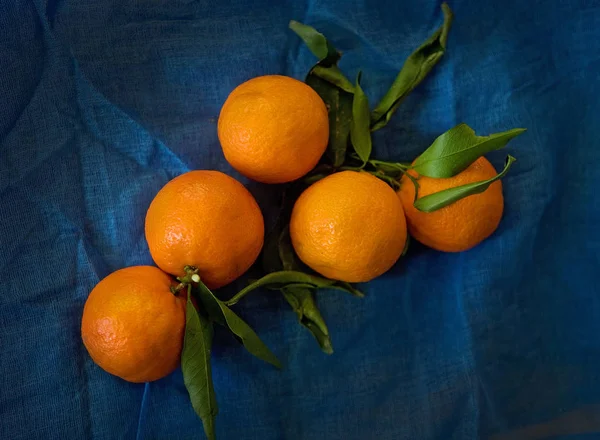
[
  {"x": 282, "y": 278},
  {"x": 290, "y": 277},
  {"x": 459, "y": 147},
  {"x": 303, "y": 302},
  {"x": 249, "y": 338},
  {"x": 332, "y": 86},
  {"x": 415, "y": 69},
  {"x": 441, "y": 199},
  {"x": 333, "y": 75},
  {"x": 316, "y": 42},
  {"x": 220, "y": 312},
  {"x": 195, "y": 365},
  {"x": 360, "y": 133},
  {"x": 339, "y": 109}
]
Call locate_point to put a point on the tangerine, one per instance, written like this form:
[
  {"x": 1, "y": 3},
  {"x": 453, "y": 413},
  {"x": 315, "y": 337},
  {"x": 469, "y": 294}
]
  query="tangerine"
[
  {"x": 205, "y": 219},
  {"x": 349, "y": 226},
  {"x": 133, "y": 325},
  {"x": 461, "y": 225},
  {"x": 273, "y": 129}
]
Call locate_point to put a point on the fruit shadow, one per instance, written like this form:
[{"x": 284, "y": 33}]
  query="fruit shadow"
[
  {"x": 415, "y": 250},
  {"x": 268, "y": 198}
]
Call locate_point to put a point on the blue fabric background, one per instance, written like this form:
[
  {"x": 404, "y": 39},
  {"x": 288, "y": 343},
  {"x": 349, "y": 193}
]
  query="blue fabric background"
[{"x": 103, "y": 101}]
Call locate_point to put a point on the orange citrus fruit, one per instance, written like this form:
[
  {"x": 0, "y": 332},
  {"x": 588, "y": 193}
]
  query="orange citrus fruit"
[
  {"x": 133, "y": 325},
  {"x": 349, "y": 226},
  {"x": 208, "y": 220},
  {"x": 461, "y": 225},
  {"x": 273, "y": 129}
]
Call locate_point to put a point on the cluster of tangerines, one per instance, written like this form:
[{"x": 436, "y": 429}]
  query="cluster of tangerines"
[
  {"x": 348, "y": 226},
  {"x": 348, "y": 220}
]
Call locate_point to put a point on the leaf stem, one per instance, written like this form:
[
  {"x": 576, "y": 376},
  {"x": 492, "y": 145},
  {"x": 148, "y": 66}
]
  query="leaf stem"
[
  {"x": 291, "y": 278},
  {"x": 349, "y": 168},
  {"x": 238, "y": 296},
  {"x": 413, "y": 179},
  {"x": 387, "y": 179},
  {"x": 398, "y": 165}
]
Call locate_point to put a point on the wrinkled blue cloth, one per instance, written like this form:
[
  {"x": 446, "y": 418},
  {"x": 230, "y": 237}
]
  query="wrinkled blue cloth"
[{"x": 103, "y": 101}]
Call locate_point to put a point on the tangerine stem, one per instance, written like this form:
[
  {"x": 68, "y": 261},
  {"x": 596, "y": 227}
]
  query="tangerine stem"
[
  {"x": 191, "y": 276},
  {"x": 176, "y": 289}
]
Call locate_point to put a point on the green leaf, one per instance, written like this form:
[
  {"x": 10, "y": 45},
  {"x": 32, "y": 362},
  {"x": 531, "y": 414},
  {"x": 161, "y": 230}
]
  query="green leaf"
[
  {"x": 270, "y": 252},
  {"x": 342, "y": 287},
  {"x": 284, "y": 277},
  {"x": 438, "y": 200},
  {"x": 210, "y": 304},
  {"x": 459, "y": 147},
  {"x": 303, "y": 302},
  {"x": 339, "y": 108},
  {"x": 332, "y": 86},
  {"x": 390, "y": 169},
  {"x": 248, "y": 337},
  {"x": 293, "y": 285},
  {"x": 220, "y": 312},
  {"x": 195, "y": 365},
  {"x": 316, "y": 42},
  {"x": 322, "y": 339},
  {"x": 286, "y": 250},
  {"x": 347, "y": 287},
  {"x": 360, "y": 133},
  {"x": 301, "y": 296},
  {"x": 333, "y": 75},
  {"x": 415, "y": 69}
]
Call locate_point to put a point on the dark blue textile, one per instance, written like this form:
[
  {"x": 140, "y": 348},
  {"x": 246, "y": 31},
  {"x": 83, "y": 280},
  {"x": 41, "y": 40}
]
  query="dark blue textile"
[{"x": 103, "y": 101}]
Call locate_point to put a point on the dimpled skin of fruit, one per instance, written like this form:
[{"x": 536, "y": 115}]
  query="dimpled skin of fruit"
[
  {"x": 273, "y": 129},
  {"x": 132, "y": 324},
  {"x": 205, "y": 219},
  {"x": 461, "y": 225},
  {"x": 349, "y": 226}
]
